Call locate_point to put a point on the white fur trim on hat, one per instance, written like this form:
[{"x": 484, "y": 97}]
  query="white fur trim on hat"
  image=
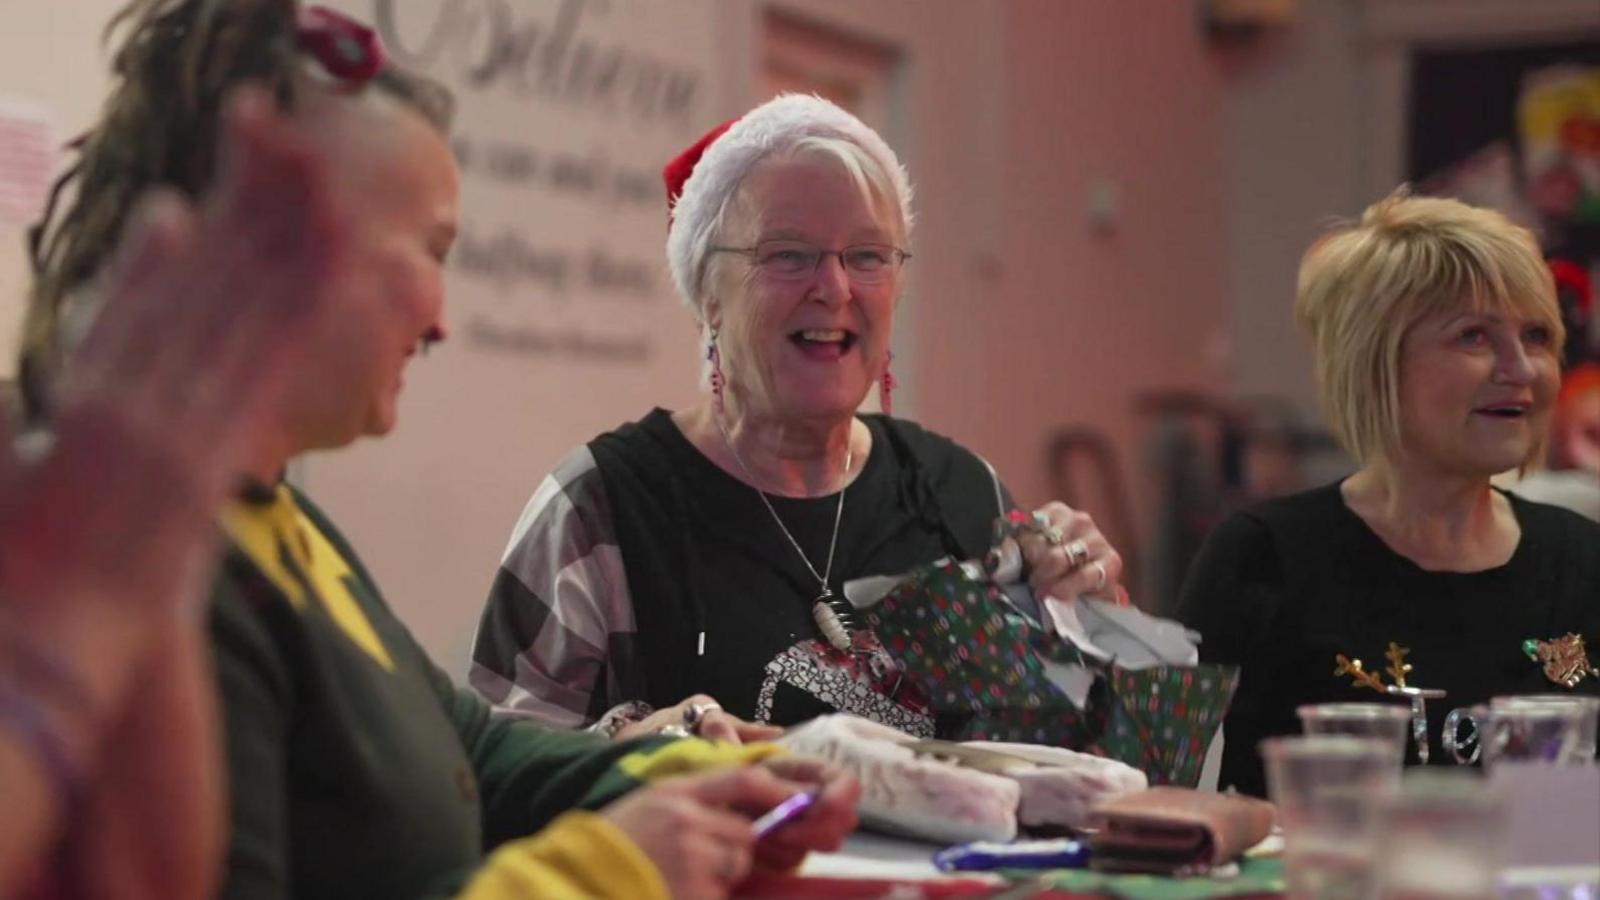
[{"x": 775, "y": 125}]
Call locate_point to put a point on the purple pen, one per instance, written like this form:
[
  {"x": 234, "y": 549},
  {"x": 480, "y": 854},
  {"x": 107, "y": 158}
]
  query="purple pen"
[{"x": 784, "y": 812}]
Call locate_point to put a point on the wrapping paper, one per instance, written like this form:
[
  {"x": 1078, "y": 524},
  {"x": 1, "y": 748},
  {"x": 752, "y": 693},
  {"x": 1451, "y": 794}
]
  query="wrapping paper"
[{"x": 1112, "y": 682}]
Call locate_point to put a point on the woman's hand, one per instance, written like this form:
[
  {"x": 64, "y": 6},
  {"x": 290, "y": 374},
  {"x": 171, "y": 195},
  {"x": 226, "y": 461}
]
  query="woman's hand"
[
  {"x": 163, "y": 769},
  {"x": 696, "y": 829},
  {"x": 170, "y": 394},
  {"x": 824, "y": 825},
  {"x": 703, "y": 717},
  {"x": 1069, "y": 557}
]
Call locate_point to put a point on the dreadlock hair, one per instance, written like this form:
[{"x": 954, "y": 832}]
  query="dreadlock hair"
[{"x": 176, "y": 63}]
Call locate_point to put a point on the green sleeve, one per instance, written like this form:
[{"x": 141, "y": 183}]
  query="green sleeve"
[{"x": 528, "y": 774}]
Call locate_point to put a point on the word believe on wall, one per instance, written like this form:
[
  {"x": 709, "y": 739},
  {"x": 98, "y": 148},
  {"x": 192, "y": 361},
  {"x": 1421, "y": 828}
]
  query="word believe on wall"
[{"x": 567, "y": 110}]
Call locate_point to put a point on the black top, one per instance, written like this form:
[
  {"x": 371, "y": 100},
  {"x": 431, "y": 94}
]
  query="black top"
[
  {"x": 702, "y": 553},
  {"x": 1282, "y": 588}
]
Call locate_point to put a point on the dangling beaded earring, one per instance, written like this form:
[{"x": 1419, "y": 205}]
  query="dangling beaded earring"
[
  {"x": 886, "y": 386},
  {"x": 714, "y": 357}
]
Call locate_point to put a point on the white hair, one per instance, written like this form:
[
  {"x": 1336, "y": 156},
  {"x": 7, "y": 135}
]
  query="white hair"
[{"x": 789, "y": 123}]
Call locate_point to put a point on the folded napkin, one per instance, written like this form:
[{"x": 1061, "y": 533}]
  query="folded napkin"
[{"x": 1177, "y": 831}]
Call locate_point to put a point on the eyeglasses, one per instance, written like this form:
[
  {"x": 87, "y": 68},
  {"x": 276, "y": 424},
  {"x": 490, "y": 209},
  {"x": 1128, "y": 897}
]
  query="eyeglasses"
[{"x": 798, "y": 260}]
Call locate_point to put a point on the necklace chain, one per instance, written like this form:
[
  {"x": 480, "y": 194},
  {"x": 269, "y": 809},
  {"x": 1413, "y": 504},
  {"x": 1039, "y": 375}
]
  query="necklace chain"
[{"x": 838, "y": 513}]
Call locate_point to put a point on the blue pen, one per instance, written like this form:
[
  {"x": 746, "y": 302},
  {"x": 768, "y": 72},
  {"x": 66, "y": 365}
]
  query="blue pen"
[
  {"x": 783, "y": 813},
  {"x": 983, "y": 856}
]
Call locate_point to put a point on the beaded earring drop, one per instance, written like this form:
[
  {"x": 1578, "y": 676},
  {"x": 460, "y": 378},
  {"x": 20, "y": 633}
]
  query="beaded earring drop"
[
  {"x": 714, "y": 358},
  {"x": 886, "y": 385}
]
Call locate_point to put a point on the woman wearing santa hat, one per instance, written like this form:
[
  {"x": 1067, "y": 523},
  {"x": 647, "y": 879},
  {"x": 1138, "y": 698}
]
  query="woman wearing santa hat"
[{"x": 685, "y": 571}]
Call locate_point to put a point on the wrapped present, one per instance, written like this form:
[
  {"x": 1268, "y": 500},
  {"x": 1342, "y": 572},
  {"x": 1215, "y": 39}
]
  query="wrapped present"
[
  {"x": 1111, "y": 681},
  {"x": 952, "y": 793}
]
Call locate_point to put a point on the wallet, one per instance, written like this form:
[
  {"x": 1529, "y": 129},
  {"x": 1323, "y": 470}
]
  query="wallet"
[{"x": 1177, "y": 831}]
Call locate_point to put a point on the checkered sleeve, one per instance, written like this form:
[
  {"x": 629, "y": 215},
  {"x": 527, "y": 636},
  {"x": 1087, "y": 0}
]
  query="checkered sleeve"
[{"x": 556, "y": 639}]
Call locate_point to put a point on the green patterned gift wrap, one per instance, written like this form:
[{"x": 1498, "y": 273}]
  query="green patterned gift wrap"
[{"x": 980, "y": 661}]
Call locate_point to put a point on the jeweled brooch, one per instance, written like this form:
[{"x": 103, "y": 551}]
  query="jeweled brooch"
[{"x": 1565, "y": 659}]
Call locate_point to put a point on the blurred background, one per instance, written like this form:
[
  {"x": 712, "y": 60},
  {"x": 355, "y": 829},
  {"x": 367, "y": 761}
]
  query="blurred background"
[{"x": 1113, "y": 196}]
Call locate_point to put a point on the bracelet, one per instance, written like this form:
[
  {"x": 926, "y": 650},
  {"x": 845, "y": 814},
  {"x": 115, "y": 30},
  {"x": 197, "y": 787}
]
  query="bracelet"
[
  {"x": 24, "y": 719},
  {"x": 35, "y": 668},
  {"x": 38, "y": 691}
]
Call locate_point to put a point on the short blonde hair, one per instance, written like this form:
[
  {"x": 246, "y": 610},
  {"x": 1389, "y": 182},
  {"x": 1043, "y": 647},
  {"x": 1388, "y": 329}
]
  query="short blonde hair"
[{"x": 1362, "y": 287}]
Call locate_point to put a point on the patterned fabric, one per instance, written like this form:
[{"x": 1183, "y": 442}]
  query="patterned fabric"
[
  {"x": 1165, "y": 717},
  {"x": 638, "y": 533},
  {"x": 563, "y": 663},
  {"x": 864, "y": 681},
  {"x": 963, "y": 644}
]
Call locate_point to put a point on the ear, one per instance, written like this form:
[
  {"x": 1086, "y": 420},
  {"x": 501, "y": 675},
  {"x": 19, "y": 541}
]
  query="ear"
[{"x": 711, "y": 313}]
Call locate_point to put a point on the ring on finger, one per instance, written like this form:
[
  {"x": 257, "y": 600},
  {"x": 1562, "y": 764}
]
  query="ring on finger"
[
  {"x": 1053, "y": 536},
  {"x": 1100, "y": 575},
  {"x": 1077, "y": 555},
  {"x": 694, "y": 715}
]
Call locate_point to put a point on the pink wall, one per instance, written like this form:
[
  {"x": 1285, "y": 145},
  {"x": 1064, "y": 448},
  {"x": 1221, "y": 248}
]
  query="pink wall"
[{"x": 1073, "y": 323}]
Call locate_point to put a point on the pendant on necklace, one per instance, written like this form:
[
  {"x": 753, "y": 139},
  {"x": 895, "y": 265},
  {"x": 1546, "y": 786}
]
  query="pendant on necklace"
[{"x": 831, "y": 621}]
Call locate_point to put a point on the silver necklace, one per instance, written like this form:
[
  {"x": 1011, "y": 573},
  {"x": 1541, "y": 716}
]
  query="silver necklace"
[{"x": 833, "y": 616}]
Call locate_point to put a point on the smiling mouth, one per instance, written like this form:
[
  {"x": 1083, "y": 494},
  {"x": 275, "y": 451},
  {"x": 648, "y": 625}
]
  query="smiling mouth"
[
  {"x": 823, "y": 338},
  {"x": 1503, "y": 412}
]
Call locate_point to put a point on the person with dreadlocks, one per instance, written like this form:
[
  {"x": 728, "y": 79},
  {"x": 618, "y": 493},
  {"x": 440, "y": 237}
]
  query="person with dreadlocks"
[
  {"x": 107, "y": 523},
  {"x": 354, "y": 767}
]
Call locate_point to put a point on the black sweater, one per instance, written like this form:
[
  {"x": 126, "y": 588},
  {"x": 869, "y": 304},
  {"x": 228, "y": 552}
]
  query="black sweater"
[{"x": 1282, "y": 588}]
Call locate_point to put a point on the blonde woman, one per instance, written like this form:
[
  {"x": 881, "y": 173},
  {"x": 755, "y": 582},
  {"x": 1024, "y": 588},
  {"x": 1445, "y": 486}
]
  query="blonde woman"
[{"x": 1436, "y": 335}]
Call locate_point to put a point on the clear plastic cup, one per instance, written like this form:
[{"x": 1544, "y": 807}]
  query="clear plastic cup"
[
  {"x": 1441, "y": 837},
  {"x": 1588, "y": 715},
  {"x": 1330, "y": 790},
  {"x": 1387, "y": 722},
  {"x": 1517, "y": 729}
]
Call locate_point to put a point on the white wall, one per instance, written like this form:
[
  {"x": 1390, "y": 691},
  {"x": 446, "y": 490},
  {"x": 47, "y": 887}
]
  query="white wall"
[{"x": 50, "y": 60}]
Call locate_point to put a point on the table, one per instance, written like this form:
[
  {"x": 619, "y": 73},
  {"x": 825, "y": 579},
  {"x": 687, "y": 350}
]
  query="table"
[{"x": 872, "y": 865}]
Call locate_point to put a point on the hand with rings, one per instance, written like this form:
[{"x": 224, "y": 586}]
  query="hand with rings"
[
  {"x": 1067, "y": 556},
  {"x": 699, "y": 716}
]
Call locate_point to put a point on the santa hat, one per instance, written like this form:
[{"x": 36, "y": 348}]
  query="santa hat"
[{"x": 700, "y": 180}]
